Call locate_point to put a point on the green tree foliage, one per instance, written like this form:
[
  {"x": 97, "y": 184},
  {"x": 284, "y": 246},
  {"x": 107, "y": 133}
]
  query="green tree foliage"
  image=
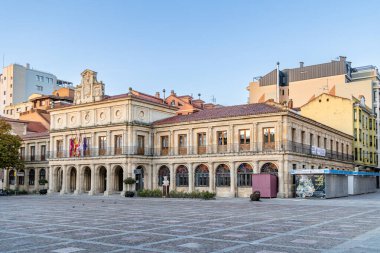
[{"x": 9, "y": 147}]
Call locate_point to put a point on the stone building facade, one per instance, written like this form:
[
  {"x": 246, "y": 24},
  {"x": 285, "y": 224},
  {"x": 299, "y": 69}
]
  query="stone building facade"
[
  {"x": 97, "y": 142},
  {"x": 101, "y": 140},
  {"x": 34, "y": 153}
]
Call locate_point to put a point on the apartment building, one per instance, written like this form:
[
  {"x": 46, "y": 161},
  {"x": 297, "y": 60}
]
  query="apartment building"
[
  {"x": 296, "y": 87},
  {"x": 352, "y": 117},
  {"x": 18, "y": 82}
]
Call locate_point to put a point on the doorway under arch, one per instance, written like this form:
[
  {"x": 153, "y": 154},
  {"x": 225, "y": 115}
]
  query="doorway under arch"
[
  {"x": 87, "y": 179},
  {"x": 73, "y": 179},
  {"x": 139, "y": 177},
  {"x": 118, "y": 179},
  {"x": 102, "y": 179},
  {"x": 58, "y": 176}
]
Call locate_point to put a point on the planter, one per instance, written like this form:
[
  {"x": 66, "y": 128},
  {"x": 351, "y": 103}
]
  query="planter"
[
  {"x": 129, "y": 194},
  {"x": 43, "y": 192},
  {"x": 255, "y": 196}
]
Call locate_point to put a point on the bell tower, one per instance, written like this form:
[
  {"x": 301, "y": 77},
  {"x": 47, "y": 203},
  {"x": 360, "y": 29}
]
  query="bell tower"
[{"x": 89, "y": 90}]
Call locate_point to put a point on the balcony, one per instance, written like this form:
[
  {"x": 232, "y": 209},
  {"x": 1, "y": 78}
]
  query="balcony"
[
  {"x": 244, "y": 147},
  {"x": 34, "y": 159},
  {"x": 118, "y": 151},
  {"x": 221, "y": 148},
  {"x": 230, "y": 149},
  {"x": 102, "y": 152},
  {"x": 140, "y": 151},
  {"x": 182, "y": 150},
  {"x": 201, "y": 150},
  {"x": 165, "y": 151}
]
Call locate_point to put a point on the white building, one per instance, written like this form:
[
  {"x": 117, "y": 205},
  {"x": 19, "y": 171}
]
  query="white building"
[{"x": 18, "y": 82}]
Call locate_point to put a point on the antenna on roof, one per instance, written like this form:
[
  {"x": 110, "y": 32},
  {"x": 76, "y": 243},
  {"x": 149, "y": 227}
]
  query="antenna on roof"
[{"x": 213, "y": 99}]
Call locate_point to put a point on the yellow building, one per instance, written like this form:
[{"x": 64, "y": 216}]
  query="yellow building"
[{"x": 352, "y": 117}]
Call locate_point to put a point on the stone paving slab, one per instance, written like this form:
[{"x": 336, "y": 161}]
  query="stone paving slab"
[
  {"x": 68, "y": 224},
  {"x": 190, "y": 245},
  {"x": 134, "y": 239}
]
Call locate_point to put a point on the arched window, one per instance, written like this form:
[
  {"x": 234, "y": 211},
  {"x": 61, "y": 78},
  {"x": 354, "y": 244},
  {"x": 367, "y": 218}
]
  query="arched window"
[
  {"x": 182, "y": 176},
  {"x": 162, "y": 172},
  {"x": 12, "y": 177},
  {"x": 42, "y": 174},
  {"x": 244, "y": 175},
  {"x": 32, "y": 176},
  {"x": 202, "y": 176},
  {"x": 21, "y": 177},
  {"x": 223, "y": 177},
  {"x": 269, "y": 168}
]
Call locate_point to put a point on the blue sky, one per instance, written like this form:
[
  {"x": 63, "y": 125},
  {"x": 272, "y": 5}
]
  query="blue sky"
[{"x": 211, "y": 47}]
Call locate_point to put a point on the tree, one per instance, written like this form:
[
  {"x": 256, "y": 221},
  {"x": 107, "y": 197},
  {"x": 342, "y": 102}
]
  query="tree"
[{"x": 9, "y": 147}]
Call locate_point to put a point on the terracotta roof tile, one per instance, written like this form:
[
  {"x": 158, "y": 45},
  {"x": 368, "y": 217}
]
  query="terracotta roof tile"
[
  {"x": 34, "y": 126},
  {"x": 29, "y": 136},
  {"x": 223, "y": 112}
]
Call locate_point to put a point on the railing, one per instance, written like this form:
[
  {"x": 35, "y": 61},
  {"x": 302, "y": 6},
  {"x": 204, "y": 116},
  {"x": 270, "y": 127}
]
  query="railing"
[
  {"x": 248, "y": 149},
  {"x": 31, "y": 158}
]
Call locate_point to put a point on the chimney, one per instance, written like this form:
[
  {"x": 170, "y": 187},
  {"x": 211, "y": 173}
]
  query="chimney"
[
  {"x": 342, "y": 58},
  {"x": 172, "y": 92},
  {"x": 27, "y": 66},
  {"x": 290, "y": 104},
  {"x": 157, "y": 94},
  {"x": 301, "y": 64}
]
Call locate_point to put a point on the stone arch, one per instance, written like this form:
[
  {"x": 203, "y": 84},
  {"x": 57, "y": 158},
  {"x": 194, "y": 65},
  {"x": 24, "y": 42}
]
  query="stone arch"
[
  {"x": 269, "y": 168},
  {"x": 222, "y": 175},
  {"x": 182, "y": 176},
  {"x": 102, "y": 175},
  {"x": 86, "y": 170},
  {"x": 244, "y": 175},
  {"x": 57, "y": 178},
  {"x": 118, "y": 174},
  {"x": 163, "y": 171},
  {"x": 72, "y": 178},
  {"x": 202, "y": 176},
  {"x": 139, "y": 172}
]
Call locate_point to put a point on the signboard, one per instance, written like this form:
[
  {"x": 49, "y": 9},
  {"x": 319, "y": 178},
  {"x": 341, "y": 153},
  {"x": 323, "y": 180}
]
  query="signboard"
[
  {"x": 20, "y": 174},
  {"x": 308, "y": 186},
  {"x": 314, "y": 171},
  {"x": 318, "y": 151}
]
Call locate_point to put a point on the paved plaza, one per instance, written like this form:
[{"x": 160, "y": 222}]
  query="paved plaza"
[{"x": 65, "y": 224}]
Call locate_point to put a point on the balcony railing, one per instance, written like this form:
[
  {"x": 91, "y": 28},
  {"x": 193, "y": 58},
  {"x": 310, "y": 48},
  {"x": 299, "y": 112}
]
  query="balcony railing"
[
  {"x": 30, "y": 158},
  {"x": 246, "y": 149}
]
